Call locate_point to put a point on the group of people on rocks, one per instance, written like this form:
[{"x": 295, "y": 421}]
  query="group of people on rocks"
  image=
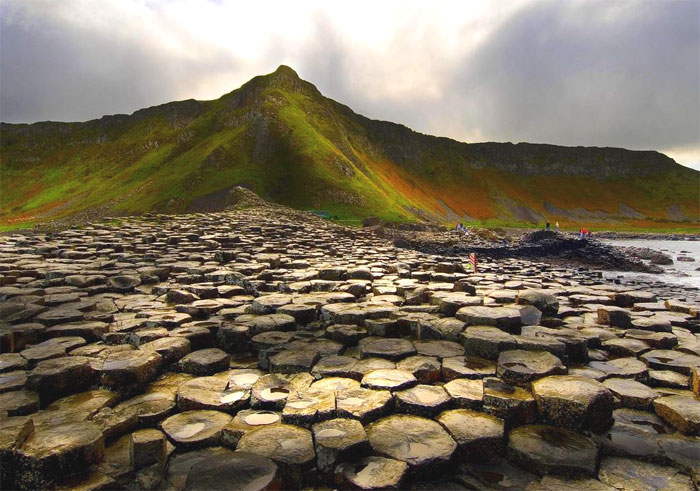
[
  {"x": 583, "y": 232},
  {"x": 462, "y": 229}
]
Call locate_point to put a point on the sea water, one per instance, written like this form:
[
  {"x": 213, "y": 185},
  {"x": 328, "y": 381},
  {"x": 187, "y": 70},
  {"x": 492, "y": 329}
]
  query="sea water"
[{"x": 680, "y": 273}]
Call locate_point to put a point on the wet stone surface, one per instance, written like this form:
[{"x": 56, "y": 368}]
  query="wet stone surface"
[{"x": 269, "y": 349}]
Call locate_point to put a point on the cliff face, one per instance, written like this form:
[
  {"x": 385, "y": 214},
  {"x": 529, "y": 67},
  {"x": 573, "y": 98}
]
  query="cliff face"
[{"x": 279, "y": 136}]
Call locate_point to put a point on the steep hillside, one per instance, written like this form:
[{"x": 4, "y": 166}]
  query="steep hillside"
[{"x": 279, "y": 136}]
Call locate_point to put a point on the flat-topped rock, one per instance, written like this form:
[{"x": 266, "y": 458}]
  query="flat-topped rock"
[
  {"x": 303, "y": 408},
  {"x": 38, "y": 353},
  {"x": 302, "y": 314},
  {"x": 269, "y": 322},
  {"x": 513, "y": 404},
  {"x": 130, "y": 368},
  {"x": 349, "y": 335},
  {"x": 147, "y": 447},
  {"x": 180, "y": 465},
  {"x": 147, "y": 408},
  {"x": 247, "y": 420},
  {"x": 466, "y": 393},
  {"x": 53, "y": 451},
  {"x": 211, "y": 393},
  {"x": 19, "y": 402},
  {"x": 270, "y": 392},
  {"x": 420, "y": 442},
  {"x": 480, "y": 436},
  {"x": 671, "y": 360},
  {"x": 504, "y": 318},
  {"x": 653, "y": 323},
  {"x": 622, "y": 473},
  {"x": 388, "y": 379},
  {"x": 487, "y": 341},
  {"x": 335, "y": 384},
  {"x": 450, "y": 303},
  {"x": 123, "y": 283},
  {"x": 621, "y": 368},
  {"x": 668, "y": 378},
  {"x": 336, "y": 366},
  {"x": 683, "y": 412},
  {"x": 625, "y": 347},
  {"x": 61, "y": 376},
  {"x": 237, "y": 470},
  {"x": 448, "y": 328},
  {"x": 12, "y": 361},
  {"x": 205, "y": 362},
  {"x": 552, "y": 450},
  {"x": 59, "y": 315},
  {"x": 338, "y": 439},
  {"x": 389, "y": 348},
  {"x": 89, "y": 330},
  {"x": 467, "y": 367},
  {"x": 659, "y": 340},
  {"x": 614, "y": 316},
  {"x": 290, "y": 446},
  {"x": 192, "y": 429},
  {"x": 426, "y": 369},
  {"x": 542, "y": 300},
  {"x": 293, "y": 361},
  {"x": 371, "y": 473},
  {"x": 363, "y": 404},
  {"x": 520, "y": 367},
  {"x": 268, "y": 304},
  {"x": 631, "y": 394},
  {"x": 574, "y": 402},
  {"x": 172, "y": 349},
  {"x": 423, "y": 400},
  {"x": 438, "y": 348}
]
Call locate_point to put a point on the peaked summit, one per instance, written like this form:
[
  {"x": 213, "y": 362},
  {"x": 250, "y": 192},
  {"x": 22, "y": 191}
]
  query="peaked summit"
[{"x": 279, "y": 136}]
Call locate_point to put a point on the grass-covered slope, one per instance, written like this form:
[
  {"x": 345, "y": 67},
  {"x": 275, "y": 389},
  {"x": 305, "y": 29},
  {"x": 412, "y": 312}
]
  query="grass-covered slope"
[{"x": 280, "y": 137}]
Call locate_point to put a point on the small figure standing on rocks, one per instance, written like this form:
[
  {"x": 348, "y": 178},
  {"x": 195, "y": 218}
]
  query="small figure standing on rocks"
[
  {"x": 556, "y": 225},
  {"x": 547, "y": 226}
]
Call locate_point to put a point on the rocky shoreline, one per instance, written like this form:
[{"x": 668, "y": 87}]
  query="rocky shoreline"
[
  {"x": 547, "y": 246},
  {"x": 265, "y": 348}
]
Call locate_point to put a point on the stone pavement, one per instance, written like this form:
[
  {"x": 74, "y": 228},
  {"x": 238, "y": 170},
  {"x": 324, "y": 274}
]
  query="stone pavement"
[{"x": 268, "y": 349}]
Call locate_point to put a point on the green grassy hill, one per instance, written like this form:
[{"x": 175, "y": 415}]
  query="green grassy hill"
[{"x": 279, "y": 136}]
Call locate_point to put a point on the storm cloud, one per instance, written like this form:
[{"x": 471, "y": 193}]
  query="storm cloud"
[{"x": 623, "y": 73}]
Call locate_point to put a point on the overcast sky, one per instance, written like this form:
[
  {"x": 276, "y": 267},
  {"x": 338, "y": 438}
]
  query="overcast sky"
[{"x": 606, "y": 73}]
